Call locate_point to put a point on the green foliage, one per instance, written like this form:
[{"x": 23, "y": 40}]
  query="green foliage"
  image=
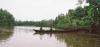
[
  {"x": 6, "y": 19},
  {"x": 78, "y": 17},
  {"x": 44, "y": 23}
]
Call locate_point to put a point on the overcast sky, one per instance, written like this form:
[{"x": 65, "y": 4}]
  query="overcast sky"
[{"x": 37, "y": 9}]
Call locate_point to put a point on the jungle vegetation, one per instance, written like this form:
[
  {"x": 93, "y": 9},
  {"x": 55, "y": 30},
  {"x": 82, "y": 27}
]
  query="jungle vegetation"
[
  {"x": 81, "y": 16},
  {"x": 6, "y": 18}
]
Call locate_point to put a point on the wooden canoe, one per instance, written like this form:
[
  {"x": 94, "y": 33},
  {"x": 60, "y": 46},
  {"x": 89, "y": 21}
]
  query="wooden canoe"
[
  {"x": 61, "y": 31},
  {"x": 52, "y": 31}
]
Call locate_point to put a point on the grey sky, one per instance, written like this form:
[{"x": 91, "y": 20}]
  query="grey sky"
[{"x": 37, "y": 9}]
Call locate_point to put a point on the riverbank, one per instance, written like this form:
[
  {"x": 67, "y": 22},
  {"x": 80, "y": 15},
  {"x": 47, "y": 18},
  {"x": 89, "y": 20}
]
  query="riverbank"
[{"x": 85, "y": 30}]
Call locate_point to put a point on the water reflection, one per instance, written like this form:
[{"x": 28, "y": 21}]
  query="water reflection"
[
  {"x": 5, "y": 33},
  {"x": 26, "y": 37},
  {"x": 76, "y": 39},
  {"x": 23, "y": 37}
]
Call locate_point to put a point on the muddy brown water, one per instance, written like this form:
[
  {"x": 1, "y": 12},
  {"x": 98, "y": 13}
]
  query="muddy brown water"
[{"x": 24, "y": 36}]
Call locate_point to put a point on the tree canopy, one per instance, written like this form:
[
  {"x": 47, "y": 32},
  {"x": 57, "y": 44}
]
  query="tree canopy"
[
  {"x": 6, "y": 18},
  {"x": 80, "y": 16}
]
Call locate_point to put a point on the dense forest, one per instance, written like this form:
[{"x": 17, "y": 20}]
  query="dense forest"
[
  {"x": 6, "y": 18},
  {"x": 85, "y": 16}
]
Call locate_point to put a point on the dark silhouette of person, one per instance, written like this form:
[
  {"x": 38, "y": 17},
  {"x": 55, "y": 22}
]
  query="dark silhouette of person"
[
  {"x": 40, "y": 28},
  {"x": 50, "y": 28}
]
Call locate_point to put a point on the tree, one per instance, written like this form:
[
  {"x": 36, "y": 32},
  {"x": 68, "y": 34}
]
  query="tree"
[{"x": 6, "y": 19}]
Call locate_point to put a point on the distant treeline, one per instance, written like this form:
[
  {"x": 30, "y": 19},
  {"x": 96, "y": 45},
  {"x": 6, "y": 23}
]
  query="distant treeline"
[
  {"x": 44, "y": 23},
  {"x": 6, "y": 18}
]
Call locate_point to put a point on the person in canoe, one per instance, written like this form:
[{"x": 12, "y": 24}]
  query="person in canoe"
[
  {"x": 51, "y": 28},
  {"x": 41, "y": 28}
]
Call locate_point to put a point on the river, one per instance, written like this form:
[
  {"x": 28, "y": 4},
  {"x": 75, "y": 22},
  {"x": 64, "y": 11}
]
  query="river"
[{"x": 24, "y": 36}]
